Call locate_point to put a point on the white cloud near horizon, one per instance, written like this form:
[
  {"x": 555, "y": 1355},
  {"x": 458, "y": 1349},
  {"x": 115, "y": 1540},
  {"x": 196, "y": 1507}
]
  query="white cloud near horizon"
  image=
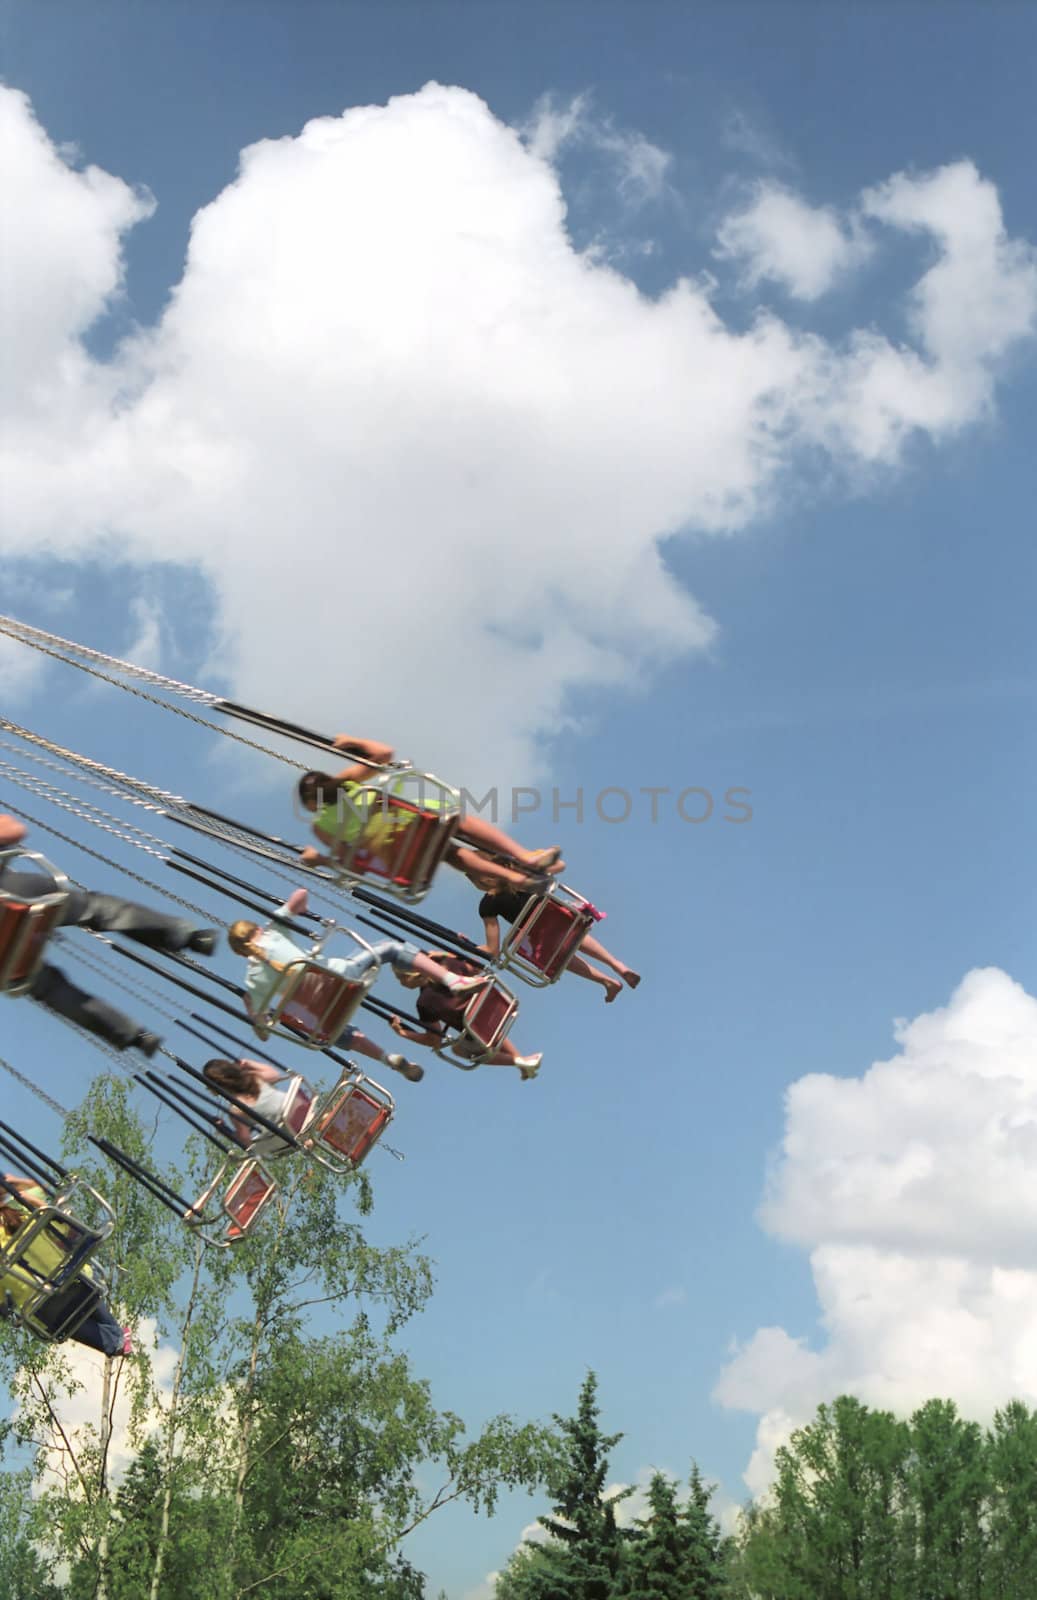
[
  {"x": 78, "y": 1410},
  {"x": 399, "y": 424},
  {"x": 912, "y": 1187}
]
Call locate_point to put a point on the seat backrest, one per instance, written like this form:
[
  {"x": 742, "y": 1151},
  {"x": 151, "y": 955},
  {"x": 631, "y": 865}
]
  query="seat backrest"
[
  {"x": 404, "y": 840},
  {"x": 51, "y": 1247},
  {"x": 318, "y": 1005},
  {"x": 489, "y": 1014},
  {"x": 24, "y": 931},
  {"x": 300, "y": 1106},
  {"x": 247, "y": 1196},
  {"x": 59, "y": 1313},
  {"x": 551, "y": 936},
  {"x": 352, "y": 1127}
]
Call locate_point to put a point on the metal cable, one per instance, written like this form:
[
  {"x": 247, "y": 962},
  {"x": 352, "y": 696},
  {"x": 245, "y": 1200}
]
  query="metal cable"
[
  {"x": 35, "y": 1089},
  {"x": 188, "y": 905},
  {"x": 33, "y": 637}
]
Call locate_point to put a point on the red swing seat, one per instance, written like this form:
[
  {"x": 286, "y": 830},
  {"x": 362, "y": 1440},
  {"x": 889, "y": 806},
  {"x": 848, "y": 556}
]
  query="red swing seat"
[
  {"x": 317, "y": 1004},
  {"x": 242, "y": 1203},
  {"x": 246, "y": 1198},
  {"x": 547, "y": 934},
  {"x": 404, "y": 841},
  {"x": 25, "y": 926},
  {"x": 301, "y": 1103},
  {"x": 485, "y": 1024},
  {"x": 351, "y": 1119}
]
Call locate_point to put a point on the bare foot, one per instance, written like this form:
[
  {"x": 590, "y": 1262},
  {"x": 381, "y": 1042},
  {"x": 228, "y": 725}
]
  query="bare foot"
[
  {"x": 612, "y": 988},
  {"x": 631, "y": 978},
  {"x": 546, "y": 860}
]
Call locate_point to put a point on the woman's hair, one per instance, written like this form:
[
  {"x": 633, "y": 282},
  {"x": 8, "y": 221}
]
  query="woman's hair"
[
  {"x": 11, "y": 1219},
  {"x": 410, "y": 977},
  {"x": 316, "y": 789},
  {"x": 239, "y": 934},
  {"x": 232, "y": 1076}
]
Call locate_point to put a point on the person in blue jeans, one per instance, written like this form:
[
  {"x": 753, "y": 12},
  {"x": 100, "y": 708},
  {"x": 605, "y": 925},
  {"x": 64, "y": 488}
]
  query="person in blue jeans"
[{"x": 269, "y": 952}]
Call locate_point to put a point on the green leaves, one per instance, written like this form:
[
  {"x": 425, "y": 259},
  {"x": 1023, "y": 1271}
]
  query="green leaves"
[{"x": 867, "y": 1507}]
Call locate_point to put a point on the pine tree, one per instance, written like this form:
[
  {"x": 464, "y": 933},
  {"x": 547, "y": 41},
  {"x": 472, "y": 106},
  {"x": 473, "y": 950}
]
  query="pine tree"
[
  {"x": 583, "y": 1556},
  {"x": 677, "y": 1552}
]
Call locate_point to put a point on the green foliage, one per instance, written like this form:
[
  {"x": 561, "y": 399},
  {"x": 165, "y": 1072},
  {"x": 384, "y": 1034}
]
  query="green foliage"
[
  {"x": 582, "y": 1556},
  {"x": 677, "y": 1552},
  {"x": 867, "y": 1507},
  {"x": 24, "y": 1573},
  {"x": 274, "y": 1459}
]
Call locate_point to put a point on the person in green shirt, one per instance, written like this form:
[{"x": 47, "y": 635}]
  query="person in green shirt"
[
  {"x": 342, "y": 814},
  {"x": 44, "y": 1259}
]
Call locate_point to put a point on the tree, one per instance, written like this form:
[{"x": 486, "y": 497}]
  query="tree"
[
  {"x": 832, "y": 1531},
  {"x": 677, "y": 1552},
  {"x": 24, "y": 1574},
  {"x": 584, "y": 1552},
  {"x": 1011, "y": 1457},
  {"x": 274, "y": 1459}
]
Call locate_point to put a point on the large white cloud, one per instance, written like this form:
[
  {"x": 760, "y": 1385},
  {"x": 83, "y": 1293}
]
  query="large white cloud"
[
  {"x": 913, "y": 1188},
  {"x": 422, "y": 448}
]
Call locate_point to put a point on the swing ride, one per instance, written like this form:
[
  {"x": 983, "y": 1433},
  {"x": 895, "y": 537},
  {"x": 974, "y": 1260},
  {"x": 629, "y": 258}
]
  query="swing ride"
[{"x": 384, "y": 830}]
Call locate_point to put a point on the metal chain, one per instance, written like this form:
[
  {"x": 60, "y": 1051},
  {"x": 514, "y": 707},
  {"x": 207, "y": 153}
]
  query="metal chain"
[
  {"x": 35, "y": 1089},
  {"x": 142, "y": 991},
  {"x": 26, "y": 633},
  {"x": 153, "y": 798},
  {"x": 62, "y": 798},
  {"x": 20, "y": 631},
  {"x": 188, "y": 905},
  {"x": 137, "y": 785},
  {"x": 83, "y": 777}
]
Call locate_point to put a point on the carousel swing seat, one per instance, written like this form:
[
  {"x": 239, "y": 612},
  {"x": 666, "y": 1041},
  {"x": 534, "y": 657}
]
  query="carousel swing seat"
[
  {"x": 348, "y": 1121},
  {"x": 239, "y": 1206},
  {"x": 337, "y": 1128},
  {"x": 485, "y": 1023},
  {"x": 26, "y": 924},
  {"x": 547, "y": 934},
  {"x": 313, "y": 1004},
  {"x": 47, "y": 1266},
  {"x": 397, "y": 837}
]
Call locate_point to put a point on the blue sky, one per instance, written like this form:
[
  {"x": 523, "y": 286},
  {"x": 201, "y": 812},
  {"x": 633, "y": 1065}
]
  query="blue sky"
[{"x": 868, "y": 674}]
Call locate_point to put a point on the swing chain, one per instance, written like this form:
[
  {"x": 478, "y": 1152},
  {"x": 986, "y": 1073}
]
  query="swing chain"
[{"x": 20, "y": 631}]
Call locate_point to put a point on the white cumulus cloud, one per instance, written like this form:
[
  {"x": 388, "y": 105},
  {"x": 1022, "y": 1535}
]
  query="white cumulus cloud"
[
  {"x": 422, "y": 450},
  {"x": 912, "y": 1187}
]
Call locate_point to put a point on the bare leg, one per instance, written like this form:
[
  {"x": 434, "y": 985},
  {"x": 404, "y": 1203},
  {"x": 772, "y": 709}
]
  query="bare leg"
[
  {"x": 366, "y": 1047},
  {"x": 507, "y": 1055},
  {"x": 591, "y": 947},
  {"x": 583, "y": 969},
  {"x": 477, "y": 866},
  {"x": 486, "y": 837},
  {"x": 450, "y": 980}
]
